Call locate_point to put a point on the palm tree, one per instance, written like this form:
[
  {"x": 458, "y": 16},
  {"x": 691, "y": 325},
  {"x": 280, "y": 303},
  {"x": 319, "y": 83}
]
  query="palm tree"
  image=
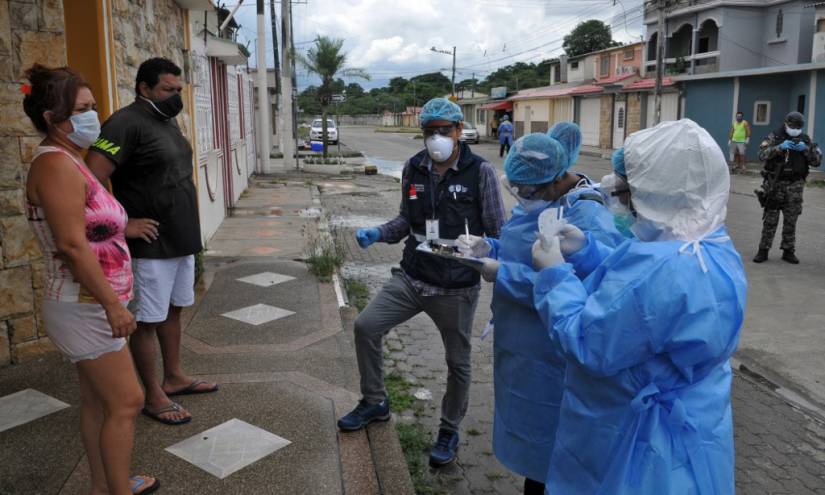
[{"x": 327, "y": 61}]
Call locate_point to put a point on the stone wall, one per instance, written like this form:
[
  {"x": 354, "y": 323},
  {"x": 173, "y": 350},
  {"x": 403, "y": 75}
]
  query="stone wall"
[
  {"x": 143, "y": 29},
  {"x": 30, "y": 31},
  {"x": 606, "y": 123},
  {"x": 634, "y": 112}
]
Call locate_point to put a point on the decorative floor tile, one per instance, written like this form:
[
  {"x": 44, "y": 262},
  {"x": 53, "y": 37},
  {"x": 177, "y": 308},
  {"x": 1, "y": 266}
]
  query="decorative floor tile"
[
  {"x": 228, "y": 447},
  {"x": 26, "y": 405},
  {"x": 258, "y": 314},
  {"x": 266, "y": 279}
]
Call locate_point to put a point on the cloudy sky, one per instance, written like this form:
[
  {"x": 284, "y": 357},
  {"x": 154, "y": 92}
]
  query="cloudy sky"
[{"x": 391, "y": 38}]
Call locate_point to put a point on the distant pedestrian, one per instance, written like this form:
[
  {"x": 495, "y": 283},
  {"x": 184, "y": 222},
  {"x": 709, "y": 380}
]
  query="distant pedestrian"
[
  {"x": 82, "y": 229},
  {"x": 738, "y": 140},
  {"x": 788, "y": 154},
  {"x": 445, "y": 190},
  {"x": 494, "y": 127},
  {"x": 149, "y": 160},
  {"x": 505, "y": 135}
]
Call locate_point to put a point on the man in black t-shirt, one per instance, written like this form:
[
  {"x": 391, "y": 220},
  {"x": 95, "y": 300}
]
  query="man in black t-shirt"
[{"x": 149, "y": 161}]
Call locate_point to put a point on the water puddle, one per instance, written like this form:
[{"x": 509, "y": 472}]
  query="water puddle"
[{"x": 393, "y": 168}]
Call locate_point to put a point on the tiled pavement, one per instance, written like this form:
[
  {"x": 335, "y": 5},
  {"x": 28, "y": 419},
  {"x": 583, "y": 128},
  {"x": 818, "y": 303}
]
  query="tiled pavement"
[
  {"x": 272, "y": 336},
  {"x": 780, "y": 449}
]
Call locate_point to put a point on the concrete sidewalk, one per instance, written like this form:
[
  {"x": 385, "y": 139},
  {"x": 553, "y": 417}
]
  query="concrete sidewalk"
[{"x": 273, "y": 337}]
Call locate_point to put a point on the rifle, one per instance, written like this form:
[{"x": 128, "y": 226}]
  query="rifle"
[{"x": 766, "y": 195}]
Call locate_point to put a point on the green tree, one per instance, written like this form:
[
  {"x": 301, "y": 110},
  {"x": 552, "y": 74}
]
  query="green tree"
[
  {"x": 588, "y": 36},
  {"x": 327, "y": 60}
]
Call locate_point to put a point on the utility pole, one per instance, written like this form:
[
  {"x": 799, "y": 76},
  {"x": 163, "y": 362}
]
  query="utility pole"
[
  {"x": 453, "y": 72},
  {"x": 473, "y": 94},
  {"x": 263, "y": 92},
  {"x": 286, "y": 114},
  {"x": 660, "y": 61},
  {"x": 274, "y": 19}
]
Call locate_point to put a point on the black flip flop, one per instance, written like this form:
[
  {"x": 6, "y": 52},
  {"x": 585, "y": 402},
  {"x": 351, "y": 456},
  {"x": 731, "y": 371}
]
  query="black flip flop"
[
  {"x": 173, "y": 407},
  {"x": 192, "y": 389}
]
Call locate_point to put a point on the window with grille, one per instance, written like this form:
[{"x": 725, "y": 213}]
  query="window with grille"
[
  {"x": 605, "y": 65},
  {"x": 620, "y": 118},
  {"x": 761, "y": 113}
]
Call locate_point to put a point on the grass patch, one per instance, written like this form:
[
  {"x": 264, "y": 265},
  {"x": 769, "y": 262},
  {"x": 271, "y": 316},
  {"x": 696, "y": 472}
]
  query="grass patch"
[
  {"x": 415, "y": 444},
  {"x": 323, "y": 260},
  {"x": 357, "y": 292},
  {"x": 494, "y": 476},
  {"x": 398, "y": 388},
  {"x": 473, "y": 432},
  {"x": 199, "y": 268}
]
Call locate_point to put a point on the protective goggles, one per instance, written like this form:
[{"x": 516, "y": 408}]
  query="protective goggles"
[
  {"x": 443, "y": 130},
  {"x": 524, "y": 191}
]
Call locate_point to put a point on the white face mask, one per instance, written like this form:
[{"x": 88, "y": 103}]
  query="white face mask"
[
  {"x": 439, "y": 147},
  {"x": 610, "y": 186},
  {"x": 792, "y": 132},
  {"x": 86, "y": 129}
]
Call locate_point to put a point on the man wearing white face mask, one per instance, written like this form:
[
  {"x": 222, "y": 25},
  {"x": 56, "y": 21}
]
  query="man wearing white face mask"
[
  {"x": 787, "y": 153},
  {"x": 445, "y": 189}
]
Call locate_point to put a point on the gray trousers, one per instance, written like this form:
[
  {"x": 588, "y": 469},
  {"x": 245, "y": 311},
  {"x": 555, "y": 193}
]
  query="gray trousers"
[{"x": 399, "y": 301}]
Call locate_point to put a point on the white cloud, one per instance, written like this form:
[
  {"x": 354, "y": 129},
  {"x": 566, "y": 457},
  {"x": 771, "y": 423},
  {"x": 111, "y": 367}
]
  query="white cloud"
[{"x": 392, "y": 38}]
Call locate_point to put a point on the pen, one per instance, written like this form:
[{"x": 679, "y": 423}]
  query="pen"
[{"x": 467, "y": 228}]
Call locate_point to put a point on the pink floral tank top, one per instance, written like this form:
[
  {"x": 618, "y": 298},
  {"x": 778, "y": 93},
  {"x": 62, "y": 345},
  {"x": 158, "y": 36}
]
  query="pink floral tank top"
[{"x": 105, "y": 228}]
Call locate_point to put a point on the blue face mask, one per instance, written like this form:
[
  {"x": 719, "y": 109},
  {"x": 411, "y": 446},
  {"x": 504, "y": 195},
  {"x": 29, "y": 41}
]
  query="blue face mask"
[
  {"x": 623, "y": 222},
  {"x": 86, "y": 129}
]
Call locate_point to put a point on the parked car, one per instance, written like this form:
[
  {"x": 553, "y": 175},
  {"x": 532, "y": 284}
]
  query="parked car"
[
  {"x": 469, "y": 133},
  {"x": 316, "y": 133}
]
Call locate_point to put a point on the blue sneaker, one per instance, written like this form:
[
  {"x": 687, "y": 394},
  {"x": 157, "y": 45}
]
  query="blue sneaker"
[
  {"x": 445, "y": 448},
  {"x": 364, "y": 414}
]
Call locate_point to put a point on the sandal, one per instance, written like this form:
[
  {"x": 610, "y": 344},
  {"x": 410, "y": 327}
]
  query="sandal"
[
  {"x": 173, "y": 407},
  {"x": 192, "y": 389},
  {"x": 139, "y": 482}
]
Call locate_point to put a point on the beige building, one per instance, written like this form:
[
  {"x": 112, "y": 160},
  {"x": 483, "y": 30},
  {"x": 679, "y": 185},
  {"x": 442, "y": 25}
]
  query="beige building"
[{"x": 106, "y": 40}]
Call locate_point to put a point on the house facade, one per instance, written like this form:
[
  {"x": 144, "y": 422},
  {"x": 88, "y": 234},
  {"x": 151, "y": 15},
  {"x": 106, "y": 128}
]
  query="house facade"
[
  {"x": 707, "y": 36},
  {"x": 106, "y": 40}
]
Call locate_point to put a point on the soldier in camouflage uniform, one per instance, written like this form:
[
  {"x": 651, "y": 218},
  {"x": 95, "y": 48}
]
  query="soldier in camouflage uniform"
[{"x": 787, "y": 153}]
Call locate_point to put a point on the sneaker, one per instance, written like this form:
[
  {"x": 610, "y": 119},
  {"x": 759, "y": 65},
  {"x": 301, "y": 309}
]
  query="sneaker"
[
  {"x": 789, "y": 256},
  {"x": 364, "y": 414},
  {"x": 445, "y": 448},
  {"x": 761, "y": 256}
]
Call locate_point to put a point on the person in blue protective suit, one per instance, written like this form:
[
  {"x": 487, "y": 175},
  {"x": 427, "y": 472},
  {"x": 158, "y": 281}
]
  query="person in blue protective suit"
[
  {"x": 648, "y": 335},
  {"x": 529, "y": 369},
  {"x": 505, "y": 135},
  {"x": 614, "y": 188}
]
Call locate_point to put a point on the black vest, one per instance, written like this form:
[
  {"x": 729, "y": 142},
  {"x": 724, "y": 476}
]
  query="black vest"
[
  {"x": 796, "y": 168},
  {"x": 455, "y": 198}
]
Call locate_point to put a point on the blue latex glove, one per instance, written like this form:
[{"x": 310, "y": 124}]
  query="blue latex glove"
[
  {"x": 787, "y": 145},
  {"x": 800, "y": 146},
  {"x": 367, "y": 237}
]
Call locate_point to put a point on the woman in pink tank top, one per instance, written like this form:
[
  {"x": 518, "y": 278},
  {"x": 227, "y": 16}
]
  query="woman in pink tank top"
[{"x": 81, "y": 229}]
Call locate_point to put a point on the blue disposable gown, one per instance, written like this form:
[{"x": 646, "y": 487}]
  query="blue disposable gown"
[
  {"x": 529, "y": 369},
  {"x": 647, "y": 337}
]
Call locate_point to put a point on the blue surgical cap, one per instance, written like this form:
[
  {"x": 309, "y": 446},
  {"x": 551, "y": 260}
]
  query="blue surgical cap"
[
  {"x": 570, "y": 136},
  {"x": 441, "y": 109},
  {"x": 618, "y": 162},
  {"x": 536, "y": 159}
]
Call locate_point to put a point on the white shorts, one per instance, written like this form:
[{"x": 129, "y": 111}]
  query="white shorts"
[
  {"x": 160, "y": 283},
  {"x": 736, "y": 148}
]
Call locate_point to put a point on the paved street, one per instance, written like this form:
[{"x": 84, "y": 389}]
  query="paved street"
[{"x": 780, "y": 448}]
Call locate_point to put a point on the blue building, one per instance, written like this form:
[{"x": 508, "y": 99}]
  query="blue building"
[{"x": 764, "y": 95}]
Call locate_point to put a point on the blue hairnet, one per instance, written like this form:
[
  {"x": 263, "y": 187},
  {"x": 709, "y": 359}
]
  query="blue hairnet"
[
  {"x": 618, "y": 162},
  {"x": 441, "y": 109},
  {"x": 570, "y": 136},
  {"x": 536, "y": 159}
]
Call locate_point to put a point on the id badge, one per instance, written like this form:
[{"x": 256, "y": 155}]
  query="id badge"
[{"x": 432, "y": 230}]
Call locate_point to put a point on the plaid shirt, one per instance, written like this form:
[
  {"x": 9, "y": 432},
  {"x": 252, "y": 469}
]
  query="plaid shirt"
[{"x": 492, "y": 218}]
